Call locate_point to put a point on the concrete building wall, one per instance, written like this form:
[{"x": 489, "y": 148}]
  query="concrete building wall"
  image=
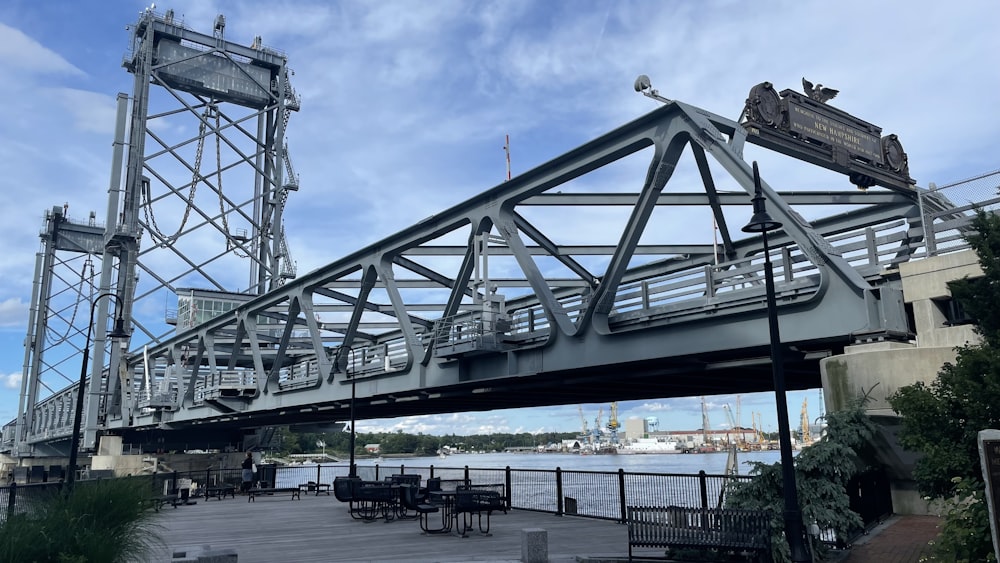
[
  {"x": 880, "y": 369},
  {"x": 635, "y": 428}
]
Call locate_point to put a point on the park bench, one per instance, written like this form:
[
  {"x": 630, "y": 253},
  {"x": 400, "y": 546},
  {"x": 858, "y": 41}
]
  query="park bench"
[
  {"x": 296, "y": 492},
  {"x": 314, "y": 487},
  {"x": 220, "y": 491},
  {"x": 158, "y": 502},
  {"x": 721, "y": 529}
]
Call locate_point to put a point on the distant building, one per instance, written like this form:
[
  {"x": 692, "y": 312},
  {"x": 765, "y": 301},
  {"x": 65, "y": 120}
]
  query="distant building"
[
  {"x": 373, "y": 448},
  {"x": 635, "y": 428}
]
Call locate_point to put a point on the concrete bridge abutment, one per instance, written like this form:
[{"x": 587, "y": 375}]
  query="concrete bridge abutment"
[{"x": 881, "y": 368}]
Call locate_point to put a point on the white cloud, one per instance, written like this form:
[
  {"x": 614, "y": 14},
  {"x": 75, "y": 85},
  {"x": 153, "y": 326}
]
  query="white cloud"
[
  {"x": 11, "y": 380},
  {"x": 91, "y": 112},
  {"x": 13, "y": 312},
  {"x": 22, "y": 54}
]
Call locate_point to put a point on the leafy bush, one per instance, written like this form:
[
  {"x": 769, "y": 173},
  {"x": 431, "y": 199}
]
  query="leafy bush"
[
  {"x": 822, "y": 472},
  {"x": 942, "y": 419},
  {"x": 106, "y": 521}
]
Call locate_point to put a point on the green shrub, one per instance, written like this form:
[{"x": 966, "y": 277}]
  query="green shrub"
[
  {"x": 99, "y": 521},
  {"x": 822, "y": 472}
]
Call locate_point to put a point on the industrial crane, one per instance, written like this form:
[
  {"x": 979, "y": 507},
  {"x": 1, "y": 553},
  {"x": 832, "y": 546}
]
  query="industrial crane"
[
  {"x": 597, "y": 425},
  {"x": 806, "y": 439},
  {"x": 584, "y": 434},
  {"x": 704, "y": 424},
  {"x": 734, "y": 429},
  {"x": 613, "y": 424}
]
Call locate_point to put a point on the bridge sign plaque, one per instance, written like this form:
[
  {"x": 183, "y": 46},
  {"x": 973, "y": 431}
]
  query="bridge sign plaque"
[{"x": 806, "y": 127}]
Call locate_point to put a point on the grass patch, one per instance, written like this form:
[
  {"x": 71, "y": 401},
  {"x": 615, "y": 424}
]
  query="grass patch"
[{"x": 107, "y": 521}]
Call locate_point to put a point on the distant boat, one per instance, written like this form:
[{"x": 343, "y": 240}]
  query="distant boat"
[{"x": 649, "y": 446}]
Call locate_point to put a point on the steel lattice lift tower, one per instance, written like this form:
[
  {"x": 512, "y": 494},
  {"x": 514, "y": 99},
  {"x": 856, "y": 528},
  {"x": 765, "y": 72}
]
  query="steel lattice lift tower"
[{"x": 199, "y": 181}]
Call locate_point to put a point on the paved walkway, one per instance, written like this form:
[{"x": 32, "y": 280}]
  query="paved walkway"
[{"x": 900, "y": 539}]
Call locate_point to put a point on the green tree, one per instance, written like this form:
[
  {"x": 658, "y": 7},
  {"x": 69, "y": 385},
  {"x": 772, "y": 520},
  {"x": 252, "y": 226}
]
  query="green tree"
[
  {"x": 941, "y": 420},
  {"x": 822, "y": 472}
]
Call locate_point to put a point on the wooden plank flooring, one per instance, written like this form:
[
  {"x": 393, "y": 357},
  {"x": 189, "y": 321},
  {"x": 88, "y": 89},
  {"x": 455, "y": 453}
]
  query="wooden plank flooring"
[{"x": 319, "y": 528}]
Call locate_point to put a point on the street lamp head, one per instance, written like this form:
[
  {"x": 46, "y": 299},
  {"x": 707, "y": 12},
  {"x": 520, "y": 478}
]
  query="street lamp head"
[
  {"x": 119, "y": 332},
  {"x": 761, "y": 222}
]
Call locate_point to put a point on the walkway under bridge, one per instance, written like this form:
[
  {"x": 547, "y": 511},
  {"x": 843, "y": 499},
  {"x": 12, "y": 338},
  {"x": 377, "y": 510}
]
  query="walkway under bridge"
[{"x": 520, "y": 297}]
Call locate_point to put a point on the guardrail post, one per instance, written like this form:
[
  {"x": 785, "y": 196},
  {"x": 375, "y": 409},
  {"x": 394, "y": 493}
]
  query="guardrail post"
[
  {"x": 432, "y": 472},
  {"x": 703, "y": 486},
  {"x": 377, "y": 467},
  {"x": 786, "y": 262},
  {"x": 559, "y": 492},
  {"x": 319, "y": 473},
  {"x": 507, "y": 481},
  {"x": 466, "y": 476},
  {"x": 621, "y": 494},
  {"x": 208, "y": 477}
]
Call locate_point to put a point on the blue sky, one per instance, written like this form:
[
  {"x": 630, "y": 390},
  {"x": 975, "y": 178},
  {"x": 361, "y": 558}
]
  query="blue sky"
[{"x": 405, "y": 106}]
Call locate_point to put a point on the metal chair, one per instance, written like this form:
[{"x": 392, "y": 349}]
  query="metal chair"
[{"x": 422, "y": 510}]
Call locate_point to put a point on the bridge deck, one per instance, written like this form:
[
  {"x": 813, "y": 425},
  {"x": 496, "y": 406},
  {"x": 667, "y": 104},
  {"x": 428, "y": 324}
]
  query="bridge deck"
[{"x": 320, "y": 529}]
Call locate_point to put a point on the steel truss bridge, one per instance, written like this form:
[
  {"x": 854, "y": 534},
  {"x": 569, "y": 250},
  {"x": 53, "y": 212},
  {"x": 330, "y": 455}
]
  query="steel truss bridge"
[{"x": 577, "y": 281}]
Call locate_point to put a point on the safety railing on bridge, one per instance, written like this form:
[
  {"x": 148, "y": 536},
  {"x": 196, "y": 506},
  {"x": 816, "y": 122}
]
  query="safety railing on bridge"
[{"x": 226, "y": 384}]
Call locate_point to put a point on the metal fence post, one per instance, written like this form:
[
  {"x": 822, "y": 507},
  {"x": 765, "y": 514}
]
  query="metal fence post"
[
  {"x": 559, "y": 492},
  {"x": 466, "y": 476},
  {"x": 621, "y": 494},
  {"x": 507, "y": 484},
  {"x": 703, "y": 485}
]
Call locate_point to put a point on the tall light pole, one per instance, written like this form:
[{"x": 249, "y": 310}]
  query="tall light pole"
[
  {"x": 762, "y": 223},
  {"x": 346, "y": 359},
  {"x": 117, "y": 333}
]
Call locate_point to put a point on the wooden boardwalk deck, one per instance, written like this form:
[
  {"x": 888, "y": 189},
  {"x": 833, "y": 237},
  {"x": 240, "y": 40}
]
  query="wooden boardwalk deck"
[{"x": 277, "y": 528}]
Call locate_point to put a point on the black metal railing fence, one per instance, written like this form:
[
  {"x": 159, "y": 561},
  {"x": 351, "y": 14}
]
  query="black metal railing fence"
[{"x": 591, "y": 494}]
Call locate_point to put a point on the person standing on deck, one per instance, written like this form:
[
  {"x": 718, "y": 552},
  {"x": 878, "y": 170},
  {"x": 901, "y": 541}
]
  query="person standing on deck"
[{"x": 247, "y": 472}]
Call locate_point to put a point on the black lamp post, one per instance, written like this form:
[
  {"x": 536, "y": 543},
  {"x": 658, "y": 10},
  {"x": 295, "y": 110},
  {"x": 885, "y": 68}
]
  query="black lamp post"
[
  {"x": 353, "y": 472},
  {"x": 762, "y": 223},
  {"x": 118, "y": 332}
]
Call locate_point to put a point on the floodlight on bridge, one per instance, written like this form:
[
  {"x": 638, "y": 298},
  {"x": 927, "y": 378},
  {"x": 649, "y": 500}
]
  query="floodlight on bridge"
[{"x": 645, "y": 87}]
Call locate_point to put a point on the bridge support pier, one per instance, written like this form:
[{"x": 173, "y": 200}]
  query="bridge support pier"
[{"x": 881, "y": 368}]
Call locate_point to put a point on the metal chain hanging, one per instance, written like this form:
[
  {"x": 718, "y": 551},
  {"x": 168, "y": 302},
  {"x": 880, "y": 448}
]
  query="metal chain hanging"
[
  {"x": 230, "y": 243},
  {"x": 50, "y": 337},
  {"x": 196, "y": 177}
]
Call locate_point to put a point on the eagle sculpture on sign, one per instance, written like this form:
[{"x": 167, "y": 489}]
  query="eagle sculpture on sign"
[{"x": 818, "y": 92}]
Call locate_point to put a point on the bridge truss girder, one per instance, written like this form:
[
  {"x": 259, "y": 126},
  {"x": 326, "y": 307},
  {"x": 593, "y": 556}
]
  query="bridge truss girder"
[{"x": 483, "y": 306}]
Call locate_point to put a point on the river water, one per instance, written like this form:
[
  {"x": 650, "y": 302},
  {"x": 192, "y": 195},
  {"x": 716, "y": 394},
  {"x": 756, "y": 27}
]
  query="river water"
[{"x": 712, "y": 463}]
